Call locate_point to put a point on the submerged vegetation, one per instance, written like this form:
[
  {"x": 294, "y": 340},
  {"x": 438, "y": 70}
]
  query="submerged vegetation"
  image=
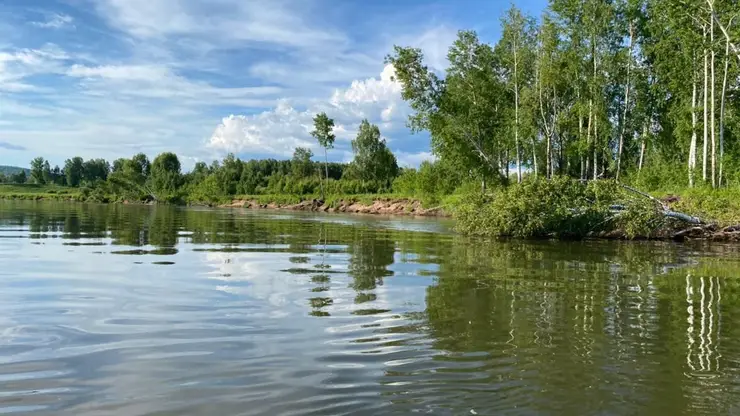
[{"x": 549, "y": 132}]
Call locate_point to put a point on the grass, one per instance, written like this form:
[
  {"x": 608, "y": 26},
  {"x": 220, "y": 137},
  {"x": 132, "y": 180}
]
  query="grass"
[
  {"x": 38, "y": 192},
  {"x": 720, "y": 205}
]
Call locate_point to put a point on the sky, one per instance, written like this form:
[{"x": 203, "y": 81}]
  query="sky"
[{"x": 203, "y": 78}]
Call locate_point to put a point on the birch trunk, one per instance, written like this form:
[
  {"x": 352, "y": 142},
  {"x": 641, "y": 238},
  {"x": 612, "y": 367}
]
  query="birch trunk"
[
  {"x": 735, "y": 48},
  {"x": 516, "y": 115},
  {"x": 326, "y": 170},
  {"x": 705, "y": 143},
  {"x": 626, "y": 104},
  {"x": 642, "y": 148},
  {"x": 588, "y": 135},
  {"x": 722, "y": 112},
  {"x": 596, "y": 155},
  {"x": 692, "y": 146},
  {"x": 714, "y": 130},
  {"x": 593, "y": 97}
]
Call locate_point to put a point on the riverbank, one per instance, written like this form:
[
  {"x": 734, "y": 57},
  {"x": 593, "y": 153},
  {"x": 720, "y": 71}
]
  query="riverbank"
[
  {"x": 383, "y": 206},
  {"x": 564, "y": 208},
  {"x": 556, "y": 209}
]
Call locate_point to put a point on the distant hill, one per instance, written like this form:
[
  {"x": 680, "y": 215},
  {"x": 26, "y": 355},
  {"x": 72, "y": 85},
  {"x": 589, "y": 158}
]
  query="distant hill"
[{"x": 12, "y": 170}]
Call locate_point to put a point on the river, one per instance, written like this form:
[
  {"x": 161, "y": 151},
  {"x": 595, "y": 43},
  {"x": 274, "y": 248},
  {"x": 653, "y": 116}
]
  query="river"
[{"x": 141, "y": 310}]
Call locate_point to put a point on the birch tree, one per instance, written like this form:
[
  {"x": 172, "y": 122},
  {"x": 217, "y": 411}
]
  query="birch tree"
[{"x": 516, "y": 49}]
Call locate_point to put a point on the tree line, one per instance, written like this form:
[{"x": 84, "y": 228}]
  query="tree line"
[
  {"x": 592, "y": 89},
  {"x": 373, "y": 170}
]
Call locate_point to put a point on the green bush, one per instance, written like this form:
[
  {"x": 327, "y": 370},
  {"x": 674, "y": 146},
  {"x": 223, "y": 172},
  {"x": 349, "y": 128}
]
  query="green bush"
[{"x": 559, "y": 207}]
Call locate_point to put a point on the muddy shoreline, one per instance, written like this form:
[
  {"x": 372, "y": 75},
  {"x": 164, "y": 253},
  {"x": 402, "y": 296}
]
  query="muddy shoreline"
[{"x": 407, "y": 207}]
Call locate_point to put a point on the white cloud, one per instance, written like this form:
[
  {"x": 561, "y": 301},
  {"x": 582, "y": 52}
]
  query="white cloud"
[
  {"x": 280, "y": 130},
  {"x": 276, "y": 132},
  {"x": 413, "y": 159},
  {"x": 120, "y": 72},
  {"x": 19, "y": 64},
  {"x": 55, "y": 21},
  {"x": 158, "y": 81},
  {"x": 221, "y": 23}
]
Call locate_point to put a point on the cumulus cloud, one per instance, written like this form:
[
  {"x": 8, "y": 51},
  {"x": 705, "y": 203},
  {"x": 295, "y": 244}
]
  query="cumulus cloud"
[
  {"x": 280, "y": 130},
  {"x": 55, "y": 21},
  {"x": 275, "y": 132}
]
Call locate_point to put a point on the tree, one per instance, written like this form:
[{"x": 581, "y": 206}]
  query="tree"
[
  {"x": 301, "y": 165},
  {"x": 95, "y": 170},
  {"x": 229, "y": 174},
  {"x": 323, "y": 133},
  {"x": 165, "y": 176},
  {"x": 141, "y": 164},
  {"x": 47, "y": 173},
  {"x": 74, "y": 171},
  {"x": 463, "y": 113},
  {"x": 118, "y": 165},
  {"x": 37, "y": 170},
  {"x": 20, "y": 177},
  {"x": 373, "y": 160},
  {"x": 516, "y": 49},
  {"x": 58, "y": 175}
]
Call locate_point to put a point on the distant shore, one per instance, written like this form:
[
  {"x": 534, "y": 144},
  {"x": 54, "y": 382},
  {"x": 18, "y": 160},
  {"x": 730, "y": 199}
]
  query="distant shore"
[{"x": 384, "y": 206}]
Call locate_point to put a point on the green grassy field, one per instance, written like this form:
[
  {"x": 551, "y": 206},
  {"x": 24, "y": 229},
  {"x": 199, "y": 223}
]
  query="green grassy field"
[{"x": 38, "y": 192}]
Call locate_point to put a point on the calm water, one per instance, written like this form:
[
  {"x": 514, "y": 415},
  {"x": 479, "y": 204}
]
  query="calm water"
[{"x": 128, "y": 310}]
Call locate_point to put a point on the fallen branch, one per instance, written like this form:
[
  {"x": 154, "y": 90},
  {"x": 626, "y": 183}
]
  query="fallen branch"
[{"x": 666, "y": 210}]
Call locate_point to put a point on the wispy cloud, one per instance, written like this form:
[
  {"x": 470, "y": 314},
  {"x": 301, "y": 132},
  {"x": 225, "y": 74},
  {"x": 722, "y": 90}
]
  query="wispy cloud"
[
  {"x": 16, "y": 65},
  {"x": 10, "y": 146},
  {"x": 221, "y": 23},
  {"x": 56, "y": 21}
]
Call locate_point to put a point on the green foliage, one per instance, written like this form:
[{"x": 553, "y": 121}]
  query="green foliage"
[
  {"x": 37, "y": 170},
  {"x": 560, "y": 207},
  {"x": 373, "y": 160},
  {"x": 74, "y": 171},
  {"x": 165, "y": 177},
  {"x": 94, "y": 170},
  {"x": 323, "y": 130},
  {"x": 301, "y": 165},
  {"x": 19, "y": 177}
]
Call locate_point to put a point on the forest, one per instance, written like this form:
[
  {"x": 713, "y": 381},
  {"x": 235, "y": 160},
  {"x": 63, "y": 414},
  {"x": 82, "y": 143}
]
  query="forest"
[{"x": 637, "y": 92}]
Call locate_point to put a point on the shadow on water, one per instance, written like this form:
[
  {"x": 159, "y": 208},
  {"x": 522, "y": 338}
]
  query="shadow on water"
[{"x": 340, "y": 314}]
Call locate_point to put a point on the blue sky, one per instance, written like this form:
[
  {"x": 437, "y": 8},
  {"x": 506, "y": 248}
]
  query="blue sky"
[{"x": 110, "y": 78}]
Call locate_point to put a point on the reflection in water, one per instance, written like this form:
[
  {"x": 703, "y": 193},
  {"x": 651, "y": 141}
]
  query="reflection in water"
[{"x": 217, "y": 311}]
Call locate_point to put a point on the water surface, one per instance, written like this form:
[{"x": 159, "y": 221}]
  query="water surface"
[{"x": 137, "y": 310}]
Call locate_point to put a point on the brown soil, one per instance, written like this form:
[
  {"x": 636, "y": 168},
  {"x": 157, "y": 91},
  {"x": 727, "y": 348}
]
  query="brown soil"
[{"x": 378, "y": 207}]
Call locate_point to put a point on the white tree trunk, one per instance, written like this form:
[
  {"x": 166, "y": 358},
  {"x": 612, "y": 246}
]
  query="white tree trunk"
[
  {"x": 722, "y": 113},
  {"x": 705, "y": 144},
  {"x": 534, "y": 157},
  {"x": 596, "y": 155},
  {"x": 516, "y": 117},
  {"x": 692, "y": 147},
  {"x": 626, "y": 104},
  {"x": 588, "y": 135},
  {"x": 730, "y": 43},
  {"x": 595, "y": 118},
  {"x": 642, "y": 147},
  {"x": 326, "y": 170},
  {"x": 714, "y": 118}
]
